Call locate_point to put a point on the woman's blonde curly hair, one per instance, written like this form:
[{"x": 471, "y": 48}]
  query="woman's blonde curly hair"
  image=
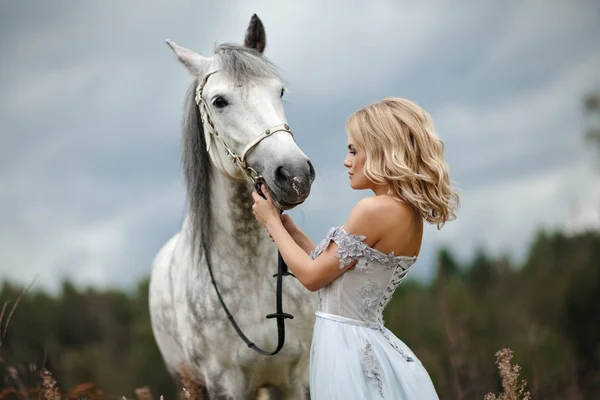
[{"x": 402, "y": 150}]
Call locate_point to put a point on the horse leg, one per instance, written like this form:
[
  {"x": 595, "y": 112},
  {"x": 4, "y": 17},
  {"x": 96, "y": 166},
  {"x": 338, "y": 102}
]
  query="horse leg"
[
  {"x": 269, "y": 393},
  {"x": 231, "y": 384},
  {"x": 263, "y": 394},
  {"x": 298, "y": 387},
  {"x": 196, "y": 391},
  {"x": 297, "y": 392},
  {"x": 188, "y": 385}
]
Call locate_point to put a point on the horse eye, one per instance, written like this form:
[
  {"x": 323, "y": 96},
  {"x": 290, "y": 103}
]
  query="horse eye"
[
  {"x": 282, "y": 91},
  {"x": 219, "y": 102}
]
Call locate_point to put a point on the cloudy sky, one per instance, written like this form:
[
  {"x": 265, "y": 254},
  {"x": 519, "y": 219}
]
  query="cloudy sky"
[{"x": 91, "y": 101}]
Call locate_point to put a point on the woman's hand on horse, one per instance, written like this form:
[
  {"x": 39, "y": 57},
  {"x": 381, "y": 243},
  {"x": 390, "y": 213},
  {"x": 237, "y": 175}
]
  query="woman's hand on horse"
[{"x": 265, "y": 211}]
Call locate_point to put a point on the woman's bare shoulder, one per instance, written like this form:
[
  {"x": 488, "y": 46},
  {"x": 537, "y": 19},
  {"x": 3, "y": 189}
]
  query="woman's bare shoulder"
[
  {"x": 375, "y": 216},
  {"x": 361, "y": 220},
  {"x": 394, "y": 218}
]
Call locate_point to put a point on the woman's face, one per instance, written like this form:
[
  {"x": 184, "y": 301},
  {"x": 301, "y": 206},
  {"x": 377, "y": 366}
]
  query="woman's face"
[{"x": 355, "y": 162}]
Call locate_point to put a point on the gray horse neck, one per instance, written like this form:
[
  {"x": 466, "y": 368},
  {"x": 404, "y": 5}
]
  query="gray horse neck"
[{"x": 237, "y": 235}]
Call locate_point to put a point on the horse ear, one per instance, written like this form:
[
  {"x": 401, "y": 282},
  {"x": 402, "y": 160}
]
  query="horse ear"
[
  {"x": 256, "y": 38},
  {"x": 194, "y": 62}
]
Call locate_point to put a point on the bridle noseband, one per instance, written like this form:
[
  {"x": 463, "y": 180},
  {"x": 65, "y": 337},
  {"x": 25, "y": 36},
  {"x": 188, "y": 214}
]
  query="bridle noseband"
[
  {"x": 282, "y": 269},
  {"x": 240, "y": 160}
]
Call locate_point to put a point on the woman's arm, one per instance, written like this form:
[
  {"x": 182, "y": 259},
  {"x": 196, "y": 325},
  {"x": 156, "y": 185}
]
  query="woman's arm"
[
  {"x": 313, "y": 274},
  {"x": 303, "y": 241},
  {"x": 299, "y": 237}
]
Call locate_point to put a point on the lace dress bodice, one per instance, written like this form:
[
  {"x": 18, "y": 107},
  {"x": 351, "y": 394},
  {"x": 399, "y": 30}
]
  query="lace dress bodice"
[
  {"x": 349, "y": 335},
  {"x": 363, "y": 292},
  {"x": 350, "y": 338}
]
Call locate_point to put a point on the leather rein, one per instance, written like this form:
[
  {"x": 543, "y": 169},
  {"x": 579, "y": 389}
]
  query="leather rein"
[{"x": 240, "y": 161}]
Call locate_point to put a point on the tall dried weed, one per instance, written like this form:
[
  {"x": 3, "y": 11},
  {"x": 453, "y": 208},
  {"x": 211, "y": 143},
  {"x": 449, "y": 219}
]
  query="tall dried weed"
[{"x": 513, "y": 389}]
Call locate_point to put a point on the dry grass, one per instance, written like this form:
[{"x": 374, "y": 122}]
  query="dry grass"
[
  {"x": 50, "y": 389},
  {"x": 513, "y": 389},
  {"x": 143, "y": 393},
  {"x": 10, "y": 314}
]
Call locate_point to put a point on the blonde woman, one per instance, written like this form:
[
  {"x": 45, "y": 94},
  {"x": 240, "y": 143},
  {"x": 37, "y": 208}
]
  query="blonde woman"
[{"x": 394, "y": 152}]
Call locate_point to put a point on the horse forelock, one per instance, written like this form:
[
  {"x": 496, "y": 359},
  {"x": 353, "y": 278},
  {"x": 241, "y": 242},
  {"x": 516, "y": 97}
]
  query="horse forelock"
[{"x": 243, "y": 63}]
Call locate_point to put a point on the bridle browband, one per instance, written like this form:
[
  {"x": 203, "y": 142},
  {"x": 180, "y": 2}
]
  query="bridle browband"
[
  {"x": 282, "y": 269},
  {"x": 240, "y": 160}
]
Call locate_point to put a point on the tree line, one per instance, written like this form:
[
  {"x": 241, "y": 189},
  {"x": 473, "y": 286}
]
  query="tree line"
[{"x": 545, "y": 310}]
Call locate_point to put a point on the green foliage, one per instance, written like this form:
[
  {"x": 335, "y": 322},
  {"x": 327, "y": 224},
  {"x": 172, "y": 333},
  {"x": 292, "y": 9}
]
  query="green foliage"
[
  {"x": 85, "y": 336},
  {"x": 545, "y": 310}
]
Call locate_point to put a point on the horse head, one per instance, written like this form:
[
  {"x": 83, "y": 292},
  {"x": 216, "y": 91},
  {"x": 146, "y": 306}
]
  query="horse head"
[{"x": 239, "y": 97}]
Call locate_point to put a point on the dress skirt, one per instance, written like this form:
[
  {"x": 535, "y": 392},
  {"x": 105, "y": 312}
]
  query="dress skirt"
[{"x": 351, "y": 359}]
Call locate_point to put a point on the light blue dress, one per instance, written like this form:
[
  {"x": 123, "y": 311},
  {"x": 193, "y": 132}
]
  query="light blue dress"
[{"x": 353, "y": 355}]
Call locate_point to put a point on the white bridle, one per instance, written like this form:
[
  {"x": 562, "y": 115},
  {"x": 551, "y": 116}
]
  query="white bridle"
[{"x": 210, "y": 131}]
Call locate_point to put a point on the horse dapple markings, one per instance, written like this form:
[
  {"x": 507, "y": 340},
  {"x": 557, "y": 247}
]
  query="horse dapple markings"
[{"x": 190, "y": 327}]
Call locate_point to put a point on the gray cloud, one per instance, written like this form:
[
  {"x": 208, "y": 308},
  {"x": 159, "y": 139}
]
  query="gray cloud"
[{"x": 90, "y": 185}]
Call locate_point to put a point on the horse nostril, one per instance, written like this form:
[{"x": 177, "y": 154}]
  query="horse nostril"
[
  {"x": 282, "y": 174},
  {"x": 311, "y": 170},
  {"x": 287, "y": 177}
]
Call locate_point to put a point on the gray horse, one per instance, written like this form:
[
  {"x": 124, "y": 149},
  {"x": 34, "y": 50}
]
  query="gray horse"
[{"x": 234, "y": 99}]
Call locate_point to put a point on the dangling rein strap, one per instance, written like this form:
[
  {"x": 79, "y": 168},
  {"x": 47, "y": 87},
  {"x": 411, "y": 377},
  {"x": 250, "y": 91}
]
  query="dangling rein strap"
[{"x": 282, "y": 270}]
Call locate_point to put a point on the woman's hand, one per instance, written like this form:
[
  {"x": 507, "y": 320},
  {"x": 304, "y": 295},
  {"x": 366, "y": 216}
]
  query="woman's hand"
[{"x": 265, "y": 211}]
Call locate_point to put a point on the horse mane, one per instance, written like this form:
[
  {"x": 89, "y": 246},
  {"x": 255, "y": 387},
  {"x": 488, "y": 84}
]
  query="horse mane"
[
  {"x": 241, "y": 64},
  {"x": 197, "y": 169}
]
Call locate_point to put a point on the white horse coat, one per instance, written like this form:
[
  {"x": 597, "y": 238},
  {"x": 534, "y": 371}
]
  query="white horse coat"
[{"x": 189, "y": 323}]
